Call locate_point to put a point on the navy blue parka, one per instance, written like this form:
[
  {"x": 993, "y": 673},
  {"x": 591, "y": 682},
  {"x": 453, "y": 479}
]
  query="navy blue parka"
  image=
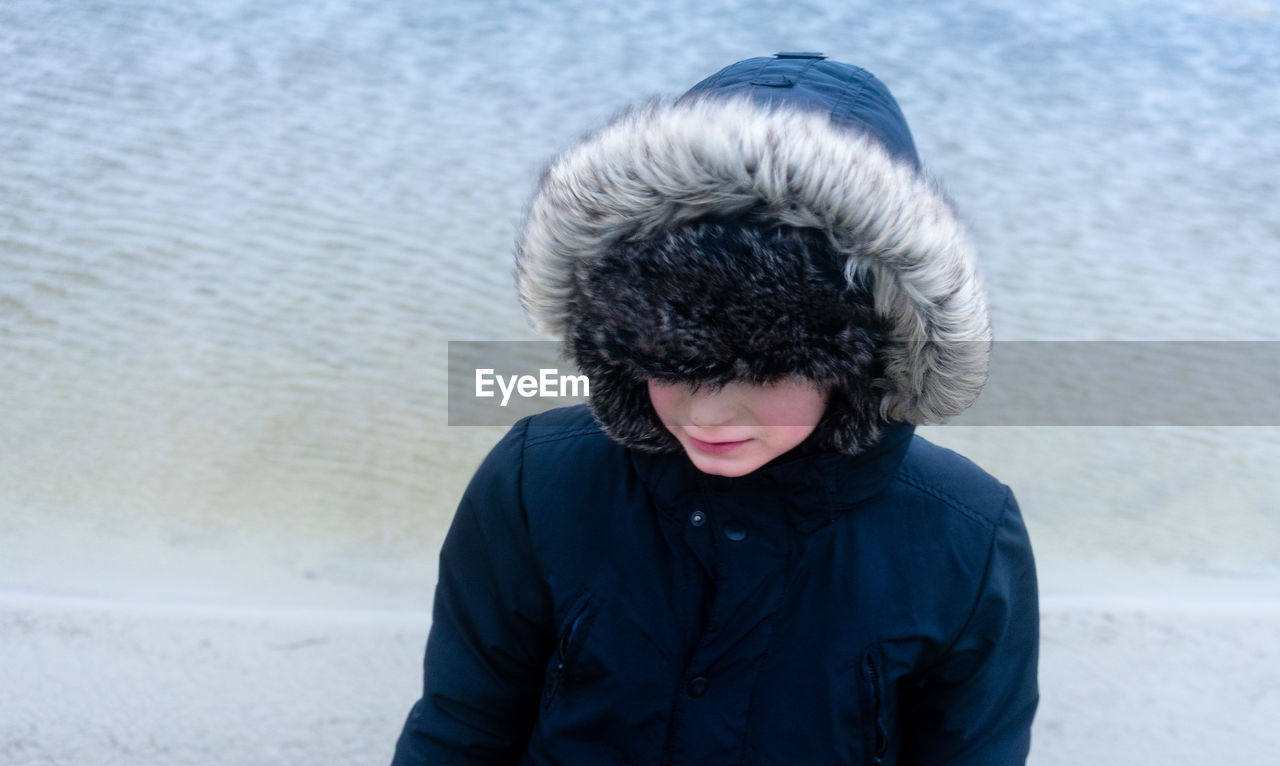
[
  {"x": 601, "y": 601},
  {"x": 598, "y": 605}
]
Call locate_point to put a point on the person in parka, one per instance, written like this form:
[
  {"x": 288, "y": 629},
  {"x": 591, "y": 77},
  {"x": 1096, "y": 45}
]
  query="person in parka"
[{"x": 740, "y": 553}]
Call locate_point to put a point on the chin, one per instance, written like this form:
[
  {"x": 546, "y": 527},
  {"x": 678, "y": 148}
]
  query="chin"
[{"x": 728, "y": 468}]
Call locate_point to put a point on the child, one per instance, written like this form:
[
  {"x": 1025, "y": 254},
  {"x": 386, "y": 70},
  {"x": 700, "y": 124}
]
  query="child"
[{"x": 741, "y": 554}]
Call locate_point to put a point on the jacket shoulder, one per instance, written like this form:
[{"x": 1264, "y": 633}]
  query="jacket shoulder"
[
  {"x": 559, "y": 424},
  {"x": 567, "y": 454},
  {"x": 566, "y": 434},
  {"x": 953, "y": 480},
  {"x": 543, "y": 447}
]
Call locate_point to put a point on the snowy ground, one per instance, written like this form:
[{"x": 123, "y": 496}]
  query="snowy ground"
[{"x": 1124, "y": 681}]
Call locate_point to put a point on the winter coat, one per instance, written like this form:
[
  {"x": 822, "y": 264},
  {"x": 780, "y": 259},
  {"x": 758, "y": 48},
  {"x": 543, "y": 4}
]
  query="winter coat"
[
  {"x": 866, "y": 598},
  {"x": 599, "y": 605}
]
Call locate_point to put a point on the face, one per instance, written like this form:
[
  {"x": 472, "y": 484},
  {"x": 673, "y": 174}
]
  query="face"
[{"x": 734, "y": 430}]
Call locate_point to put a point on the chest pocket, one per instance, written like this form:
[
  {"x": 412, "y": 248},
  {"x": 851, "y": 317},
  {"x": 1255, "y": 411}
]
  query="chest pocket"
[{"x": 572, "y": 634}]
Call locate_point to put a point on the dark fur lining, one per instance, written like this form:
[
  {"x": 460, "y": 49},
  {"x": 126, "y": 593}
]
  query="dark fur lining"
[{"x": 717, "y": 301}]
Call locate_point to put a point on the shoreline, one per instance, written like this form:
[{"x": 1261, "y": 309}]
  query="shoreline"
[
  {"x": 1049, "y": 604},
  {"x": 1124, "y": 679}
]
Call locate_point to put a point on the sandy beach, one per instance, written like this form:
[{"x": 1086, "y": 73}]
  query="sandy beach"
[{"x": 1123, "y": 681}]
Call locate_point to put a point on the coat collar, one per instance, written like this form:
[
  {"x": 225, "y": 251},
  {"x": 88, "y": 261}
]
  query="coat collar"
[{"x": 813, "y": 488}]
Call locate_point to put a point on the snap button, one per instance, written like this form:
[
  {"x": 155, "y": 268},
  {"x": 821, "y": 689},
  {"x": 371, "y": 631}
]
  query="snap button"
[
  {"x": 697, "y": 687},
  {"x": 697, "y": 518},
  {"x": 734, "y": 530}
]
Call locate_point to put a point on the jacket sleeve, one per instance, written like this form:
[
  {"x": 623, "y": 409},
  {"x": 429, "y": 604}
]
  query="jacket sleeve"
[
  {"x": 490, "y": 633},
  {"x": 974, "y": 707}
]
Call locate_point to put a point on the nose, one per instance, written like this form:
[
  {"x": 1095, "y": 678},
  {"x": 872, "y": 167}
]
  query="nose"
[{"x": 711, "y": 408}]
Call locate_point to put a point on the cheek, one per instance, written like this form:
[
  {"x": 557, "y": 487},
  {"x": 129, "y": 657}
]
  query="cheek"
[
  {"x": 782, "y": 438},
  {"x": 666, "y": 401},
  {"x": 797, "y": 407},
  {"x": 790, "y": 415}
]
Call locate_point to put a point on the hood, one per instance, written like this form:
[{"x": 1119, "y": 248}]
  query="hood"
[{"x": 793, "y": 141}]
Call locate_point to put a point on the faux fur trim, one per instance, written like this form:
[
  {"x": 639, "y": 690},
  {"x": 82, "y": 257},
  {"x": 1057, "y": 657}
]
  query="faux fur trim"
[{"x": 662, "y": 165}]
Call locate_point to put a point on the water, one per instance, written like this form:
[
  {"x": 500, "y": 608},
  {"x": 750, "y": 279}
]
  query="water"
[{"x": 236, "y": 237}]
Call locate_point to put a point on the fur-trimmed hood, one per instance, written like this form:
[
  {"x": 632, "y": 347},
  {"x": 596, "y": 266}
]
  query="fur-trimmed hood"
[{"x": 793, "y": 141}]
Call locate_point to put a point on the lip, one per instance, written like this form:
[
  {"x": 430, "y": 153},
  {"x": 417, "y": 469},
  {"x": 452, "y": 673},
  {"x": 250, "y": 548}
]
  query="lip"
[{"x": 715, "y": 448}]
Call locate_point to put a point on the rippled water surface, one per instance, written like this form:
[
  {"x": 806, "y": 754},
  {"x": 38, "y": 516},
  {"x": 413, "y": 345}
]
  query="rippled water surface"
[{"x": 236, "y": 237}]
